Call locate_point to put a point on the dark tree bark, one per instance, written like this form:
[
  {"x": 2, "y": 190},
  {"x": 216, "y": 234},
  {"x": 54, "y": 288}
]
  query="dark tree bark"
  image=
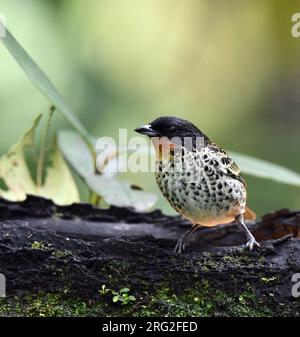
[{"x": 74, "y": 250}]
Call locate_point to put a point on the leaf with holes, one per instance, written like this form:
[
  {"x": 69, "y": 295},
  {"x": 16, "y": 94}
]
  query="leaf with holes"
[{"x": 59, "y": 184}]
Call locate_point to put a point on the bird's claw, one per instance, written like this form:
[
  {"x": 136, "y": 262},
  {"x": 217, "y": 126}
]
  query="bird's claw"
[
  {"x": 180, "y": 247},
  {"x": 251, "y": 243}
]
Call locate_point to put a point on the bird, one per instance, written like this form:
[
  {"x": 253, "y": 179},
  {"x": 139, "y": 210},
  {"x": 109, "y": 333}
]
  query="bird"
[{"x": 197, "y": 177}]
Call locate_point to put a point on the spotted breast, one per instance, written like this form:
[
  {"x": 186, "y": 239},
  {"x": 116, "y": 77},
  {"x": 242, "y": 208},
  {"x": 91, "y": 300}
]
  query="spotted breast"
[{"x": 199, "y": 185}]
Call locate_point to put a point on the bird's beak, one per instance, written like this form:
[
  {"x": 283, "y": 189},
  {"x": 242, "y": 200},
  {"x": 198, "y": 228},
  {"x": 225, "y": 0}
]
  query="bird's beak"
[{"x": 147, "y": 130}]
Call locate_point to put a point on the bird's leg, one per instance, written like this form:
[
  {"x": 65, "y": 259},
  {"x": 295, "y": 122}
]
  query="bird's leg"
[
  {"x": 251, "y": 242},
  {"x": 180, "y": 245}
]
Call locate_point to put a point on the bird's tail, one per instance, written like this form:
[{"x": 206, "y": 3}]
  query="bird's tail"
[{"x": 249, "y": 214}]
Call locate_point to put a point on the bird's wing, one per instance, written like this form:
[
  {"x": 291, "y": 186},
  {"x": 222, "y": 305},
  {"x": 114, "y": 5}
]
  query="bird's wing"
[{"x": 227, "y": 164}]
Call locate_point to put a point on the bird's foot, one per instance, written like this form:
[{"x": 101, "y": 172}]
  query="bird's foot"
[
  {"x": 251, "y": 243},
  {"x": 181, "y": 243},
  {"x": 180, "y": 247}
]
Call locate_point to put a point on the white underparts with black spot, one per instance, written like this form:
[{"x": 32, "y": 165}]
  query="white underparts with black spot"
[{"x": 197, "y": 186}]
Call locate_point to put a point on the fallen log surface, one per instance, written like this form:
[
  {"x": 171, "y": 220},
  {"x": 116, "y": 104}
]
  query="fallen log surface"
[{"x": 74, "y": 260}]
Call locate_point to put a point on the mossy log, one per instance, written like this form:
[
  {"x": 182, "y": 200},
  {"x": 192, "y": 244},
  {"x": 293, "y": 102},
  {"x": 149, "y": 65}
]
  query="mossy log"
[{"x": 70, "y": 260}]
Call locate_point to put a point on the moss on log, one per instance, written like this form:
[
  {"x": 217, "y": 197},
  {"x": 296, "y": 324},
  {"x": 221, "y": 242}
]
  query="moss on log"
[{"x": 74, "y": 261}]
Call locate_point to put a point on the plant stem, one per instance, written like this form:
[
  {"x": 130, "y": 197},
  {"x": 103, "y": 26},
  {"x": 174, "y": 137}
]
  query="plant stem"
[
  {"x": 41, "y": 157},
  {"x": 94, "y": 198}
]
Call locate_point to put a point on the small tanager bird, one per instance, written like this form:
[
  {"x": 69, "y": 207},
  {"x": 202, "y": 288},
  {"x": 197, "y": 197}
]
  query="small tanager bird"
[{"x": 197, "y": 177}]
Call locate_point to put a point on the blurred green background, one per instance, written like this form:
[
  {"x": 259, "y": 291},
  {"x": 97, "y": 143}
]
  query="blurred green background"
[{"x": 231, "y": 67}]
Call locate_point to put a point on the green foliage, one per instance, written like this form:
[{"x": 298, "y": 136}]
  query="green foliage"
[
  {"x": 104, "y": 290},
  {"x": 79, "y": 151},
  {"x": 58, "y": 184},
  {"x": 264, "y": 169},
  {"x": 38, "y": 245},
  {"x": 202, "y": 300},
  {"x": 268, "y": 280},
  {"x": 44, "y": 305},
  {"x": 108, "y": 186},
  {"x": 122, "y": 296},
  {"x": 42, "y": 82},
  {"x": 76, "y": 152},
  {"x": 119, "y": 193}
]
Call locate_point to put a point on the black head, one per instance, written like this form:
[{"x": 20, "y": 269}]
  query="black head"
[{"x": 171, "y": 127}]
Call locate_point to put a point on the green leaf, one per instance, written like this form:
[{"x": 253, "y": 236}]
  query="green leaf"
[
  {"x": 59, "y": 184},
  {"x": 116, "y": 298},
  {"x": 264, "y": 169},
  {"x": 131, "y": 298},
  {"x": 14, "y": 170},
  {"x": 79, "y": 156},
  {"x": 42, "y": 82},
  {"x": 76, "y": 152},
  {"x": 121, "y": 194},
  {"x": 113, "y": 191},
  {"x": 124, "y": 290}
]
